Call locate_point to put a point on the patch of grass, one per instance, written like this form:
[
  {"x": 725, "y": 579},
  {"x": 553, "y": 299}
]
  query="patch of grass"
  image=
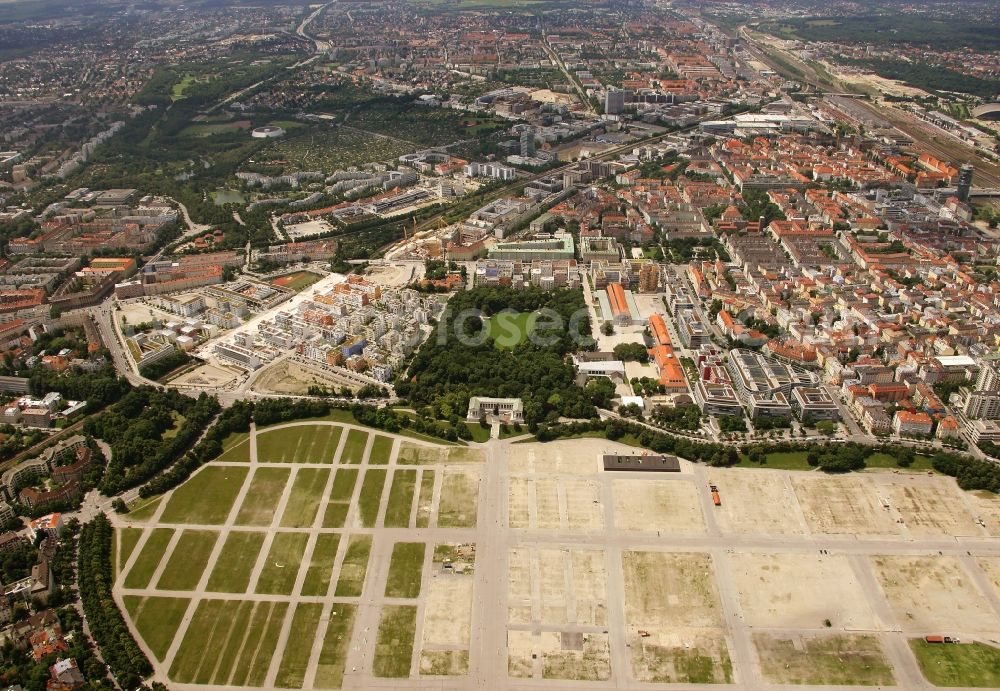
[
  {"x": 157, "y": 619},
  {"x": 509, "y": 329},
  {"x": 297, "y": 280},
  {"x": 235, "y": 563},
  {"x": 426, "y": 498},
  {"x": 444, "y": 663},
  {"x": 236, "y": 448},
  {"x": 705, "y": 663},
  {"x": 282, "y": 564},
  {"x": 371, "y": 496},
  {"x": 786, "y": 460},
  {"x": 317, "y": 581},
  {"x": 394, "y": 645},
  {"x": 921, "y": 463},
  {"x": 333, "y": 654},
  {"x": 459, "y": 501},
  {"x": 188, "y": 560},
  {"x": 262, "y": 496},
  {"x": 300, "y": 444},
  {"x": 480, "y": 434},
  {"x": 292, "y": 670},
  {"x": 336, "y": 515},
  {"x": 406, "y": 568},
  {"x": 245, "y": 631},
  {"x": 381, "y": 450},
  {"x": 397, "y": 512},
  {"x": 143, "y": 509},
  {"x": 229, "y": 653},
  {"x": 852, "y": 660},
  {"x": 354, "y": 447},
  {"x": 963, "y": 664},
  {"x": 354, "y": 566},
  {"x": 207, "y": 497},
  {"x": 343, "y": 484},
  {"x": 129, "y": 537},
  {"x": 307, "y": 492},
  {"x": 149, "y": 558}
]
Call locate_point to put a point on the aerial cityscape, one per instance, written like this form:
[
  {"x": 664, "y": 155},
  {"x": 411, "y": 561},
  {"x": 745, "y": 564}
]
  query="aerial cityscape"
[{"x": 499, "y": 344}]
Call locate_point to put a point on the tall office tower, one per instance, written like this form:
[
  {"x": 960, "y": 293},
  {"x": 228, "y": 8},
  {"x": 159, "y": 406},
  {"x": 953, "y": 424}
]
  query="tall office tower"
[
  {"x": 965, "y": 182},
  {"x": 528, "y": 142},
  {"x": 614, "y": 102}
]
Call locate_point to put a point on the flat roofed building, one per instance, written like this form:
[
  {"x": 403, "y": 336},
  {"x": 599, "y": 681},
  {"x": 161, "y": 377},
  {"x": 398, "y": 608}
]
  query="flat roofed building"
[
  {"x": 717, "y": 399},
  {"x": 506, "y": 409},
  {"x": 815, "y": 403},
  {"x": 642, "y": 462}
]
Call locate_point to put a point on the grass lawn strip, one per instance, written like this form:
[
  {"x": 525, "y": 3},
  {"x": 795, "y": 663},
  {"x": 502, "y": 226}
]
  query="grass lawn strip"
[
  {"x": 381, "y": 450},
  {"x": 235, "y": 563},
  {"x": 397, "y": 513},
  {"x": 235, "y": 643},
  {"x": 263, "y": 496},
  {"x": 355, "y": 565},
  {"x": 207, "y": 497},
  {"x": 190, "y": 657},
  {"x": 143, "y": 509},
  {"x": 307, "y": 491},
  {"x": 282, "y": 565},
  {"x": 305, "y": 622},
  {"x": 336, "y": 515},
  {"x": 157, "y": 619},
  {"x": 237, "y": 453},
  {"x": 354, "y": 447},
  {"x": 371, "y": 496},
  {"x": 406, "y": 568},
  {"x": 425, "y": 499},
  {"x": 129, "y": 538},
  {"x": 188, "y": 560},
  {"x": 394, "y": 646},
  {"x": 333, "y": 655},
  {"x": 343, "y": 484},
  {"x": 317, "y": 581},
  {"x": 149, "y": 558}
]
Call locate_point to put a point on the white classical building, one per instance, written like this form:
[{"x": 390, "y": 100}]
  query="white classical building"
[{"x": 505, "y": 409}]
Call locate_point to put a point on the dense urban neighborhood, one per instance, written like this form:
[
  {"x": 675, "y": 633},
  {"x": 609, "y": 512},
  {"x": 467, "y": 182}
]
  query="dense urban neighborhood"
[{"x": 499, "y": 344}]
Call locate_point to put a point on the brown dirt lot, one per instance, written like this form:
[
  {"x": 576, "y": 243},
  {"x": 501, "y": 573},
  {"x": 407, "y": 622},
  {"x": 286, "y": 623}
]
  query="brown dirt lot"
[
  {"x": 583, "y": 657},
  {"x": 842, "y": 505},
  {"x": 932, "y": 506},
  {"x": 780, "y": 591},
  {"x": 934, "y": 594},
  {"x": 651, "y": 506},
  {"x": 664, "y": 590},
  {"x": 755, "y": 503}
]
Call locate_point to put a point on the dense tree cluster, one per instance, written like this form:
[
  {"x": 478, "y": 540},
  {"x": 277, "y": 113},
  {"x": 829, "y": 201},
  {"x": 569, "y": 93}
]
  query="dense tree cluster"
[
  {"x": 232, "y": 420},
  {"x": 687, "y": 417},
  {"x": 461, "y": 360},
  {"x": 632, "y": 351},
  {"x": 135, "y": 426},
  {"x": 660, "y": 442},
  {"x": 971, "y": 473},
  {"x": 155, "y": 370},
  {"x": 756, "y": 204},
  {"x": 123, "y": 655},
  {"x": 98, "y": 389}
]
